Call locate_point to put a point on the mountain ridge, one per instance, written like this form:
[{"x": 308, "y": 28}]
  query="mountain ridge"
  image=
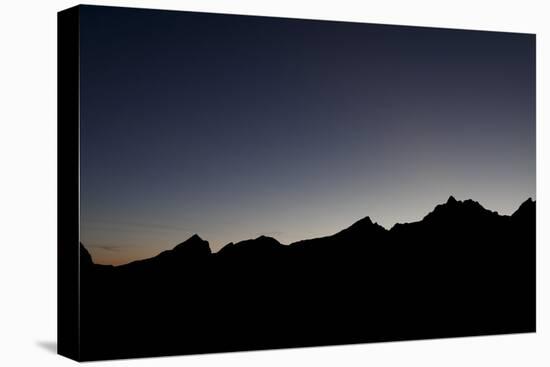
[
  {"x": 461, "y": 271},
  {"x": 196, "y": 245}
]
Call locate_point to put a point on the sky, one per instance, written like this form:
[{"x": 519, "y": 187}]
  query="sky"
[{"x": 233, "y": 127}]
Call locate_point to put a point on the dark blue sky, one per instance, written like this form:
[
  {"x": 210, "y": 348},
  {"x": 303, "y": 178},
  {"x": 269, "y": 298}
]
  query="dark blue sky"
[{"x": 232, "y": 126}]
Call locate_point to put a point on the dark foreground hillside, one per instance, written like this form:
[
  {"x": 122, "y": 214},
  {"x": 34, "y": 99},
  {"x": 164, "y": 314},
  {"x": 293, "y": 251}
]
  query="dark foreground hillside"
[{"x": 461, "y": 271}]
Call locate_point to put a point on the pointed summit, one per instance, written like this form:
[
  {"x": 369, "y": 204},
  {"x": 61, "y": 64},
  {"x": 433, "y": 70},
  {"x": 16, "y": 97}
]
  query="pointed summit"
[
  {"x": 195, "y": 237},
  {"x": 194, "y": 244},
  {"x": 192, "y": 239},
  {"x": 451, "y": 200},
  {"x": 362, "y": 226},
  {"x": 362, "y": 223},
  {"x": 525, "y": 209}
]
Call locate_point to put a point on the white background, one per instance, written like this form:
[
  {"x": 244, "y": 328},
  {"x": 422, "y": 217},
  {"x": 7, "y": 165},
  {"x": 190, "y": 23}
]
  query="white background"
[{"x": 28, "y": 183}]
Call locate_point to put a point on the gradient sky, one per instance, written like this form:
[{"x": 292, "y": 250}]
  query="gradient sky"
[{"x": 232, "y": 127}]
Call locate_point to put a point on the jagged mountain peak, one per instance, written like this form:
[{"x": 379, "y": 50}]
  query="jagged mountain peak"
[
  {"x": 364, "y": 224},
  {"x": 194, "y": 243},
  {"x": 451, "y": 200},
  {"x": 453, "y": 207},
  {"x": 527, "y": 207}
]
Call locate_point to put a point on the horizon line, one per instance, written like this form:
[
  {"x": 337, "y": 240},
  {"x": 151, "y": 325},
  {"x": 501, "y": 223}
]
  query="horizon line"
[{"x": 451, "y": 198}]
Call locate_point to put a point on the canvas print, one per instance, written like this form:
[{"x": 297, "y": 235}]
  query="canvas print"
[{"x": 232, "y": 183}]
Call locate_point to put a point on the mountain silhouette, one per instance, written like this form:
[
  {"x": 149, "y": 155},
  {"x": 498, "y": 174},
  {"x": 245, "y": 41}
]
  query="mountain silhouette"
[
  {"x": 85, "y": 257},
  {"x": 192, "y": 250},
  {"x": 260, "y": 246},
  {"x": 462, "y": 270}
]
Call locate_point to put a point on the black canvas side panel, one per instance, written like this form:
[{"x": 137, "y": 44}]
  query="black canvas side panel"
[{"x": 68, "y": 183}]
